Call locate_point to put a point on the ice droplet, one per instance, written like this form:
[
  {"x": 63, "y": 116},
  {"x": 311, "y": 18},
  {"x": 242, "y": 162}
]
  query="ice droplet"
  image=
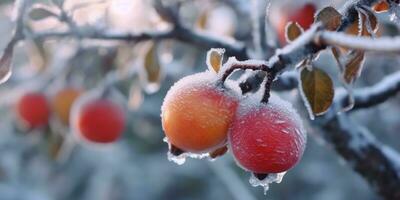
[
  {"x": 181, "y": 159},
  {"x": 271, "y": 178}
]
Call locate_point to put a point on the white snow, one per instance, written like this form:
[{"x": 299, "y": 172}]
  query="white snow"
[
  {"x": 233, "y": 61},
  {"x": 382, "y": 44}
]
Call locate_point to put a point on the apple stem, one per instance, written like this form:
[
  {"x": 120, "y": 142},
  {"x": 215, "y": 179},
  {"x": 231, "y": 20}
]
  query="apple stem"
[
  {"x": 175, "y": 150},
  {"x": 268, "y": 83},
  {"x": 242, "y": 67},
  {"x": 260, "y": 176}
]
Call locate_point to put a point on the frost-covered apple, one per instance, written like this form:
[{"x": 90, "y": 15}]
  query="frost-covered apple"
[
  {"x": 100, "y": 121},
  {"x": 33, "y": 109},
  {"x": 196, "y": 113},
  {"x": 267, "y": 138},
  {"x": 62, "y": 102}
]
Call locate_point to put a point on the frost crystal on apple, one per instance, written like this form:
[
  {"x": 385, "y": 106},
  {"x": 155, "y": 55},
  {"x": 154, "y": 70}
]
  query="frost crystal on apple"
[
  {"x": 181, "y": 159},
  {"x": 271, "y": 178}
]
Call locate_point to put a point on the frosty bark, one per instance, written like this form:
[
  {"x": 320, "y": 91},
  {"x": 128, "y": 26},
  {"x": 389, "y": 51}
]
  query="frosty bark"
[{"x": 365, "y": 155}]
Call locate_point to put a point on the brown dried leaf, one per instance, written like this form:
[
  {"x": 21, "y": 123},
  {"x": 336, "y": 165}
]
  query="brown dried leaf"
[
  {"x": 152, "y": 65},
  {"x": 214, "y": 59},
  {"x": 293, "y": 31},
  {"x": 202, "y": 20},
  {"x": 330, "y": 17},
  {"x": 5, "y": 63},
  {"x": 353, "y": 28},
  {"x": 219, "y": 152},
  {"x": 317, "y": 88},
  {"x": 381, "y": 6},
  {"x": 337, "y": 55},
  {"x": 369, "y": 22},
  {"x": 353, "y": 66}
]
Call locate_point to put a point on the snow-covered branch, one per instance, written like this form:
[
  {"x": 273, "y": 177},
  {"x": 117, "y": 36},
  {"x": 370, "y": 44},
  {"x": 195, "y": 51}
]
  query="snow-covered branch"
[
  {"x": 376, "y": 94},
  {"x": 233, "y": 48},
  {"x": 376, "y": 162},
  {"x": 383, "y": 44}
]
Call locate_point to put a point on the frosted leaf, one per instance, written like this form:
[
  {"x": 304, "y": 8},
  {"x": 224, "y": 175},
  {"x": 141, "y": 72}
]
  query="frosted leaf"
[
  {"x": 306, "y": 103},
  {"x": 153, "y": 69},
  {"x": 271, "y": 178},
  {"x": 5, "y": 63},
  {"x": 214, "y": 59}
]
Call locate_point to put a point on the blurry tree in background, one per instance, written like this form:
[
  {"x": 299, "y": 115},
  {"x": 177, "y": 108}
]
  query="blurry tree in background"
[{"x": 336, "y": 61}]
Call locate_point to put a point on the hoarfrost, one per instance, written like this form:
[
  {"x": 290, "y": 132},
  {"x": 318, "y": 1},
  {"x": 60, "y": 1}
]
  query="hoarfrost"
[
  {"x": 306, "y": 103},
  {"x": 181, "y": 159},
  {"x": 233, "y": 61},
  {"x": 275, "y": 103},
  {"x": 271, "y": 178}
]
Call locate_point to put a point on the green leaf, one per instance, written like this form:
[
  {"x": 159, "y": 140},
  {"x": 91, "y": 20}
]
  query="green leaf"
[{"x": 317, "y": 88}]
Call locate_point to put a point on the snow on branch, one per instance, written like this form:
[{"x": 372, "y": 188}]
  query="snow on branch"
[
  {"x": 383, "y": 44},
  {"x": 232, "y": 47},
  {"x": 376, "y": 94},
  {"x": 376, "y": 162}
]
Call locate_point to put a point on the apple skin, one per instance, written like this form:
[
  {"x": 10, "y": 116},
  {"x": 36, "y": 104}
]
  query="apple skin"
[
  {"x": 196, "y": 114},
  {"x": 33, "y": 109},
  {"x": 268, "y": 138}
]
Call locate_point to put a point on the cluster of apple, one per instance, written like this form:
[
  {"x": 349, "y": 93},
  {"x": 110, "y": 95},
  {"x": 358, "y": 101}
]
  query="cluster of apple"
[
  {"x": 99, "y": 120},
  {"x": 203, "y": 115}
]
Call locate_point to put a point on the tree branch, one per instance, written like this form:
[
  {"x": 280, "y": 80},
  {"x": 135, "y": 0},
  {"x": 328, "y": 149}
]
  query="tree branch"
[
  {"x": 383, "y": 44},
  {"x": 181, "y": 33},
  {"x": 377, "y": 163},
  {"x": 374, "y": 95}
]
